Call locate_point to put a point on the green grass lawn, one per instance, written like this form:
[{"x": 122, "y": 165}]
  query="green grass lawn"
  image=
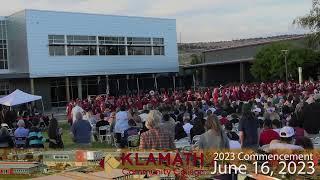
[{"x": 70, "y": 145}]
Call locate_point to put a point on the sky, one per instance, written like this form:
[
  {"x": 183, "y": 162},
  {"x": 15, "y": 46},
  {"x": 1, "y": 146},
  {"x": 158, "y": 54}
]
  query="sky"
[{"x": 197, "y": 20}]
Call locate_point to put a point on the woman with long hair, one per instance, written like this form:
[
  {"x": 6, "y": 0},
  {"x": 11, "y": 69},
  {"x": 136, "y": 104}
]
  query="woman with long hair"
[
  {"x": 248, "y": 128},
  {"x": 215, "y": 137},
  {"x": 54, "y": 133}
]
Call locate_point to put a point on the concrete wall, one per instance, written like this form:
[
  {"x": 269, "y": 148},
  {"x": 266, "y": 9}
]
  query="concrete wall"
[
  {"x": 237, "y": 53},
  {"x": 42, "y": 23}
]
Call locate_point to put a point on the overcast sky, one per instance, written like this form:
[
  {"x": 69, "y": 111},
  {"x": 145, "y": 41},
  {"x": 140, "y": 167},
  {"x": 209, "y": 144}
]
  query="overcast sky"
[{"x": 197, "y": 20}]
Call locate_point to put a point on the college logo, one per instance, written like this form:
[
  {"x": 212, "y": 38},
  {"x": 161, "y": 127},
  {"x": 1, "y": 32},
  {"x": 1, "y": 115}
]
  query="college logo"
[{"x": 110, "y": 163}]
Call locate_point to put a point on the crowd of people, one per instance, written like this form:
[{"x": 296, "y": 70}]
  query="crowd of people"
[
  {"x": 258, "y": 115},
  {"x": 24, "y": 129}
]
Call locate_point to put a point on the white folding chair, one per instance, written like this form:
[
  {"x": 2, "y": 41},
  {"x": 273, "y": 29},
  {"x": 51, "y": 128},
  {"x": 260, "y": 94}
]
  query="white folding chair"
[
  {"x": 133, "y": 141},
  {"x": 195, "y": 139},
  {"x": 103, "y": 137}
]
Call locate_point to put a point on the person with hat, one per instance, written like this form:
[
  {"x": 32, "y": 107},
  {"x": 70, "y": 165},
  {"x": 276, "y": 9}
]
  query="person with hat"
[{"x": 286, "y": 140}]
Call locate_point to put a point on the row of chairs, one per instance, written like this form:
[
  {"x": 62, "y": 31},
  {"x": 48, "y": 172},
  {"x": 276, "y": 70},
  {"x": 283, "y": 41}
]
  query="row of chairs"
[{"x": 105, "y": 135}]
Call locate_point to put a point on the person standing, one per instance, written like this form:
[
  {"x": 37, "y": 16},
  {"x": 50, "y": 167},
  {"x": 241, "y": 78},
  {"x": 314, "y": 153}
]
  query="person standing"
[
  {"x": 214, "y": 138},
  {"x": 75, "y": 110},
  {"x": 121, "y": 125},
  {"x": 248, "y": 128}
]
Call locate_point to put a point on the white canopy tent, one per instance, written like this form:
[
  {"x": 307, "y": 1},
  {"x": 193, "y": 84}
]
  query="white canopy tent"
[{"x": 19, "y": 97}]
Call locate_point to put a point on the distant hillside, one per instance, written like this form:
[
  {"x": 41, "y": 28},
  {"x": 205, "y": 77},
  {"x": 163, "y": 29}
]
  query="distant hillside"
[{"x": 187, "y": 49}]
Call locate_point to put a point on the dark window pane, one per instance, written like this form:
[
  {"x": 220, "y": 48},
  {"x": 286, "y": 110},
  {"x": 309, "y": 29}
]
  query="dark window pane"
[
  {"x": 93, "y": 50},
  {"x": 1, "y": 54},
  {"x": 51, "y": 50},
  {"x": 59, "y": 51},
  {"x": 158, "y": 50},
  {"x": 2, "y": 64},
  {"x": 139, "y": 50},
  {"x": 71, "y": 51},
  {"x": 122, "y": 50},
  {"x": 102, "y": 50},
  {"x": 147, "y": 50}
]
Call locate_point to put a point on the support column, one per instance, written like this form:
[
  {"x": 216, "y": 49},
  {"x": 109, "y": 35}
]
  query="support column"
[
  {"x": 79, "y": 84},
  {"x": 155, "y": 82},
  {"x": 107, "y": 84},
  {"x": 126, "y": 47},
  {"x": 138, "y": 86},
  {"x": 67, "y": 89},
  {"x": 118, "y": 85},
  {"x": 174, "y": 82},
  {"x": 98, "y": 79},
  {"x": 204, "y": 76},
  {"x": 194, "y": 82},
  {"x": 242, "y": 79},
  {"x": 127, "y": 82},
  {"x": 32, "y": 85}
]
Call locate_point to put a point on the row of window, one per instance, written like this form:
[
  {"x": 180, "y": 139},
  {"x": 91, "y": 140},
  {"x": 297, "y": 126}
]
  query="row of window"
[
  {"x": 104, "y": 50},
  {"x": 107, "y": 45},
  {"x": 3, "y": 46},
  {"x": 4, "y": 88},
  {"x": 75, "y": 39}
]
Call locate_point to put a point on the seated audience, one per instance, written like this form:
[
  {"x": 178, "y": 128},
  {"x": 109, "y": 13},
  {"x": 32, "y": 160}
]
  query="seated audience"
[
  {"x": 304, "y": 142},
  {"x": 224, "y": 120},
  {"x": 234, "y": 119},
  {"x": 89, "y": 117},
  {"x": 286, "y": 140},
  {"x": 100, "y": 123},
  {"x": 112, "y": 121},
  {"x": 276, "y": 126},
  {"x": 21, "y": 134},
  {"x": 137, "y": 119},
  {"x": 231, "y": 134},
  {"x": 298, "y": 130},
  {"x": 55, "y": 133},
  {"x": 132, "y": 130},
  {"x": 179, "y": 132},
  {"x": 35, "y": 138},
  {"x": 187, "y": 126},
  {"x": 267, "y": 134},
  {"x": 214, "y": 138},
  {"x": 5, "y": 138},
  {"x": 156, "y": 137},
  {"x": 81, "y": 130},
  {"x": 168, "y": 123},
  {"x": 197, "y": 129}
]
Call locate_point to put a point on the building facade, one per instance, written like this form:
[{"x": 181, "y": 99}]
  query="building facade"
[
  {"x": 63, "y": 56},
  {"x": 231, "y": 64}
]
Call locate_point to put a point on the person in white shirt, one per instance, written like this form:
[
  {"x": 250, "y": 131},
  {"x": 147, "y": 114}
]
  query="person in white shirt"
[
  {"x": 75, "y": 110},
  {"x": 144, "y": 113},
  {"x": 187, "y": 126}
]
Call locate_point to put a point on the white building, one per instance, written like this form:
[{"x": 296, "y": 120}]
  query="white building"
[{"x": 63, "y": 56}]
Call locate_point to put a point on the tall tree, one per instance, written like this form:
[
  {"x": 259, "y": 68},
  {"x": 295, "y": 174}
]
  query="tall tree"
[
  {"x": 269, "y": 62},
  {"x": 311, "y": 21}
]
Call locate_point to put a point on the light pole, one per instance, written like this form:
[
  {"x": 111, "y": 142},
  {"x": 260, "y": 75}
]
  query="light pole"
[{"x": 285, "y": 51}]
